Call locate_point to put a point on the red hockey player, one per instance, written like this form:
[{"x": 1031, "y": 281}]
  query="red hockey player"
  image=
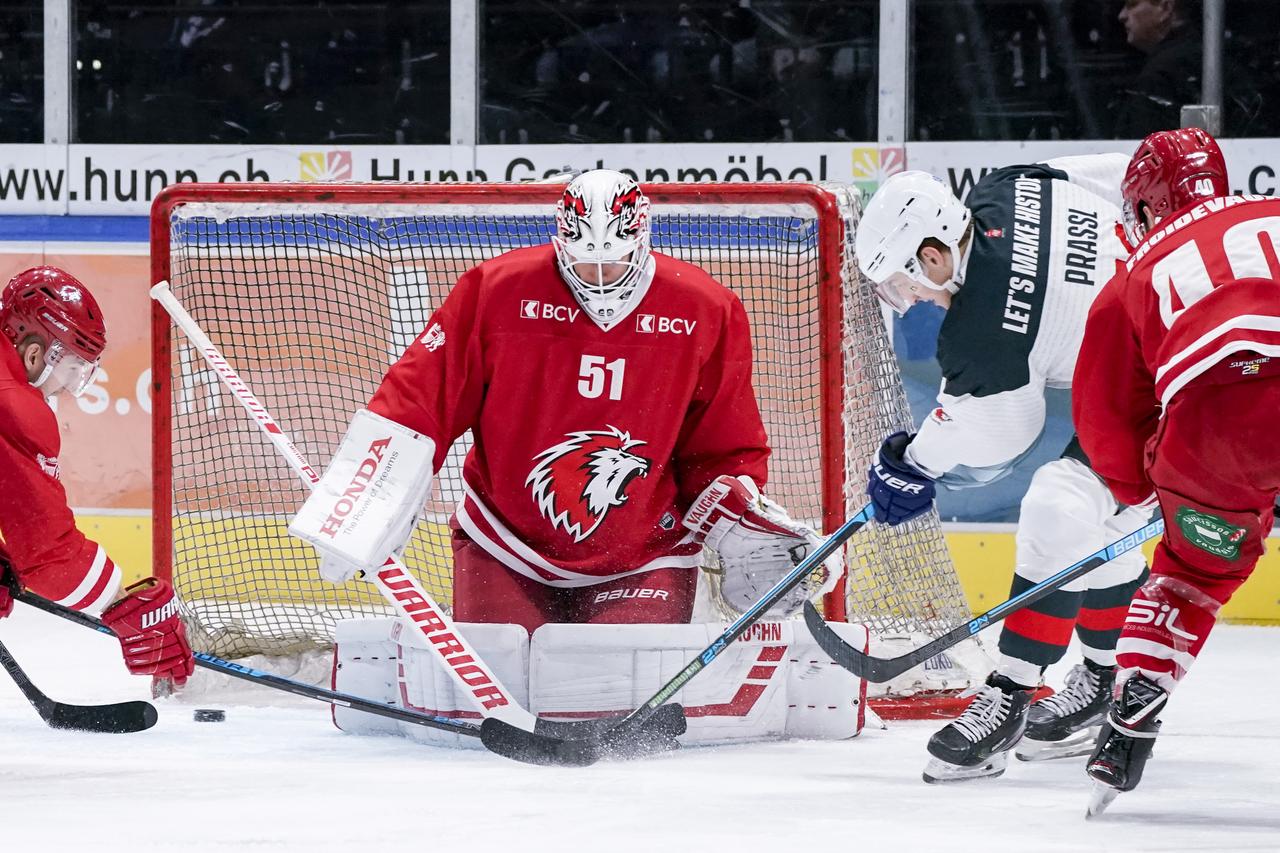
[
  {"x": 616, "y": 432},
  {"x": 1176, "y": 392},
  {"x": 53, "y": 338}
]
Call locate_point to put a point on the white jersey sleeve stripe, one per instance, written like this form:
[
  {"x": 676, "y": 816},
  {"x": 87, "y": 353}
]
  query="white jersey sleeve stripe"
[{"x": 98, "y": 586}]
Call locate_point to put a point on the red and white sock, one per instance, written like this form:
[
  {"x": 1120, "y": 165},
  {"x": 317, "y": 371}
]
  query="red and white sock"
[{"x": 1167, "y": 624}]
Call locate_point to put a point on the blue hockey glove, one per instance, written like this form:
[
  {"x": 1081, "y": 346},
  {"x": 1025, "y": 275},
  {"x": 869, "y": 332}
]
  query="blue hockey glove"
[{"x": 898, "y": 491}]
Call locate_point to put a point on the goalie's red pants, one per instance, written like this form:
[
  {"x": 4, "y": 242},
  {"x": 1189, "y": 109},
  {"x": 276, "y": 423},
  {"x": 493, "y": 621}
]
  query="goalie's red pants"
[
  {"x": 1215, "y": 463},
  {"x": 484, "y": 590}
]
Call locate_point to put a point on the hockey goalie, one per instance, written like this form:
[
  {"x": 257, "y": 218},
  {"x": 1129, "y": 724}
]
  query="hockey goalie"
[{"x": 616, "y": 436}]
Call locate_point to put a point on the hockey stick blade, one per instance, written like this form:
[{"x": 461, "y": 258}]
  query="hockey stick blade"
[
  {"x": 879, "y": 670},
  {"x": 618, "y": 739},
  {"x": 527, "y": 747},
  {"x": 113, "y": 718}
]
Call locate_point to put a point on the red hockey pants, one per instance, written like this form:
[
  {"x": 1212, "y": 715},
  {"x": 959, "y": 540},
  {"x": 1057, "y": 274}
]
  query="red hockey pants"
[{"x": 484, "y": 590}]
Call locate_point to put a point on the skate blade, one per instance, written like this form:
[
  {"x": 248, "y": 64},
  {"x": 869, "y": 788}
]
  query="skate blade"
[
  {"x": 938, "y": 771},
  {"x": 1101, "y": 795},
  {"x": 1071, "y": 746}
]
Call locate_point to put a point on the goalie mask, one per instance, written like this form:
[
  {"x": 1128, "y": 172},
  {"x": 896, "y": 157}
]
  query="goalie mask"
[
  {"x": 54, "y": 307},
  {"x": 908, "y": 208},
  {"x": 602, "y": 244}
]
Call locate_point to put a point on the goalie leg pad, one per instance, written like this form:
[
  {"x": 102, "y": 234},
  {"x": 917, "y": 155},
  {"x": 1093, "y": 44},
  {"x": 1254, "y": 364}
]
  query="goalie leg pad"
[
  {"x": 771, "y": 683},
  {"x": 377, "y": 659}
]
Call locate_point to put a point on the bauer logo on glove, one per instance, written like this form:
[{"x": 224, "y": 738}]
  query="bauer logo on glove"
[{"x": 898, "y": 491}]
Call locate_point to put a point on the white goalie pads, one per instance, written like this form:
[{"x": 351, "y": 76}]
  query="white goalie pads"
[
  {"x": 773, "y": 683},
  {"x": 364, "y": 507},
  {"x": 377, "y": 659}
]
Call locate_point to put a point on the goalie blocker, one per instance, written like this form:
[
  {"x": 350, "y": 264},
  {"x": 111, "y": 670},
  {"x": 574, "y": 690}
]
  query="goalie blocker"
[
  {"x": 364, "y": 507},
  {"x": 773, "y": 682}
]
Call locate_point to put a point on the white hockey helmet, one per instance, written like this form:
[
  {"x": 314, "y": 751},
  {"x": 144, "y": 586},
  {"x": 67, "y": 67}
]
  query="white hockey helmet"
[
  {"x": 602, "y": 244},
  {"x": 908, "y": 208}
]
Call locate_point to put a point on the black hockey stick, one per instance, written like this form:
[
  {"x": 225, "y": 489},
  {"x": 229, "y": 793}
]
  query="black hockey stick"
[
  {"x": 533, "y": 749},
  {"x": 629, "y": 734},
  {"x": 880, "y": 670},
  {"x": 115, "y": 718}
]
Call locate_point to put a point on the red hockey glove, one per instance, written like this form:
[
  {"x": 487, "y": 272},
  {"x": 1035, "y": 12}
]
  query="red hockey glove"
[
  {"x": 6, "y": 601},
  {"x": 150, "y": 631}
]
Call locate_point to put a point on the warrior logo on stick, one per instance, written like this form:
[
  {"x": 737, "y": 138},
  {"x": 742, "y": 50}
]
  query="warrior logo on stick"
[{"x": 576, "y": 482}]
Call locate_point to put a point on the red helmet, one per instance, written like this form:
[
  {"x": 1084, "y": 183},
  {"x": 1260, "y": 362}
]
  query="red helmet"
[
  {"x": 55, "y": 307},
  {"x": 1170, "y": 170}
]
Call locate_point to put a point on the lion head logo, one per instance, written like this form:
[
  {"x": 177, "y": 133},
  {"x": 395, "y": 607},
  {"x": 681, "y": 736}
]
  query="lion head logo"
[{"x": 576, "y": 482}]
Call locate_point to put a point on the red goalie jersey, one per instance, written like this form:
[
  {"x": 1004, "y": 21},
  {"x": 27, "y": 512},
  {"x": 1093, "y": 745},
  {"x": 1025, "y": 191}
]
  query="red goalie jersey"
[
  {"x": 589, "y": 445},
  {"x": 1202, "y": 287}
]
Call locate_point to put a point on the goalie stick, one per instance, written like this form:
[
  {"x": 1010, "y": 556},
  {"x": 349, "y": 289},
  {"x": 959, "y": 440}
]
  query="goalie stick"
[
  {"x": 531, "y": 748},
  {"x": 397, "y": 584},
  {"x": 880, "y": 670},
  {"x": 628, "y": 728},
  {"x": 114, "y": 718}
]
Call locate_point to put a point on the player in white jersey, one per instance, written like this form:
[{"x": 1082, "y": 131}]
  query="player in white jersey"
[{"x": 1017, "y": 267}]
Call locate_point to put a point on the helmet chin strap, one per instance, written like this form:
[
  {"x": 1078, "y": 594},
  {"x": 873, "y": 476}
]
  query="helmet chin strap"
[
  {"x": 43, "y": 377},
  {"x": 959, "y": 263}
]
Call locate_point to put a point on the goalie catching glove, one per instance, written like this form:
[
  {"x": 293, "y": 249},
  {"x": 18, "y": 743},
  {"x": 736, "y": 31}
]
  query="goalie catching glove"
[
  {"x": 365, "y": 506},
  {"x": 757, "y": 544}
]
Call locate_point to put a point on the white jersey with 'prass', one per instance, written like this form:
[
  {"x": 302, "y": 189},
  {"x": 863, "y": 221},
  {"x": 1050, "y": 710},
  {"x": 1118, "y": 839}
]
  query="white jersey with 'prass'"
[{"x": 1043, "y": 245}]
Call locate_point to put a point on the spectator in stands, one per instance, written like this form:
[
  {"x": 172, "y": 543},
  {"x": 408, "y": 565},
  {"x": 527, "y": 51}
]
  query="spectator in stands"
[{"x": 1169, "y": 33}]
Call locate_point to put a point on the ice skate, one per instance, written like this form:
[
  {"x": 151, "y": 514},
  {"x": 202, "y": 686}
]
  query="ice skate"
[
  {"x": 976, "y": 744},
  {"x": 1125, "y": 742},
  {"x": 1067, "y": 723}
]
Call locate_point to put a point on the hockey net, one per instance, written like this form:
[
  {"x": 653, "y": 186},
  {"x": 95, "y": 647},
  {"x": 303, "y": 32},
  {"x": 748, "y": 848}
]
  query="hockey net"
[{"x": 311, "y": 291}]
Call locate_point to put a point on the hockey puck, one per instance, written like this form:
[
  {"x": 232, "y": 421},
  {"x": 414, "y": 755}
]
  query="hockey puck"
[{"x": 209, "y": 715}]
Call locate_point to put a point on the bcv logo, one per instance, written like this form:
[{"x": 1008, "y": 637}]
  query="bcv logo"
[
  {"x": 532, "y": 309},
  {"x": 653, "y": 324}
]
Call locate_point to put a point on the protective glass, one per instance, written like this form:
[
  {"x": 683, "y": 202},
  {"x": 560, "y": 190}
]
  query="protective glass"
[{"x": 64, "y": 370}]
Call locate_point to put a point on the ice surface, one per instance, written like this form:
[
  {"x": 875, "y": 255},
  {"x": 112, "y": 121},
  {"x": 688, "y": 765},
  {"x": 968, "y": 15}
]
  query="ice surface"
[{"x": 283, "y": 779}]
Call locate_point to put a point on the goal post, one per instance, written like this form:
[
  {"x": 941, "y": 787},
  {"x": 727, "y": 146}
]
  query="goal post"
[{"x": 313, "y": 290}]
